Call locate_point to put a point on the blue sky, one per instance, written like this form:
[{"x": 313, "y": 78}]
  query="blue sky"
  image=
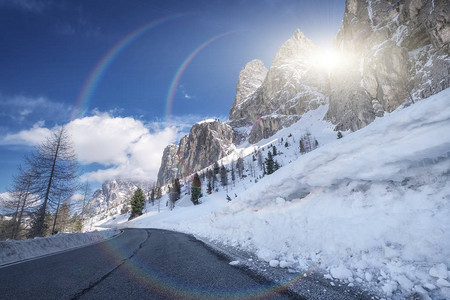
[{"x": 49, "y": 48}]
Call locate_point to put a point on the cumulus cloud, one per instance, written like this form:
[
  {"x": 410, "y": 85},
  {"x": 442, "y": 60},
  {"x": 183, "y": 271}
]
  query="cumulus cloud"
[
  {"x": 29, "y": 137},
  {"x": 124, "y": 146}
]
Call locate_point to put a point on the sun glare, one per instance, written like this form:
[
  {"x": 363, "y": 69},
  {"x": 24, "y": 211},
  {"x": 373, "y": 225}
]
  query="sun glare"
[{"x": 329, "y": 60}]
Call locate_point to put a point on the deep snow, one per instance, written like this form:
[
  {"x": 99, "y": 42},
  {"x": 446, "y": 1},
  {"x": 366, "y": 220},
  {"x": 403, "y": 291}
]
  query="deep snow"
[{"x": 371, "y": 208}]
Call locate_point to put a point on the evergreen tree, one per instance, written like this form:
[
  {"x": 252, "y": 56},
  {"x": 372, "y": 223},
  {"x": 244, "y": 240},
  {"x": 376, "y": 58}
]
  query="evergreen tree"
[
  {"x": 158, "y": 192},
  {"x": 137, "y": 203},
  {"x": 269, "y": 163},
  {"x": 177, "y": 187},
  {"x": 286, "y": 144},
  {"x": 240, "y": 166},
  {"x": 260, "y": 160},
  {"x": 196, "y": 189},
  {"x": 302, "y": 147},
  {"x": 223, "y": 175},
  {"x": 209, "y": 188},
  {"x": 216, "y": 168},
  {"x": 274, "y": 149},
  {"x": 152, "y": 196},
  {"x": 339, "y": 135},
  {"x": 233, "y": 176}
]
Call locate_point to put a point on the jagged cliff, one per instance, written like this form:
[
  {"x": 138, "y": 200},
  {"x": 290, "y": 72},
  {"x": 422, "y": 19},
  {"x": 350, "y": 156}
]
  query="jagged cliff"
[
  {"x": 207, "y": 142},
  {"x": 292, "y": 86},
  {"x": 395, "y": 51},
  {"x": 170, "y": 165}
]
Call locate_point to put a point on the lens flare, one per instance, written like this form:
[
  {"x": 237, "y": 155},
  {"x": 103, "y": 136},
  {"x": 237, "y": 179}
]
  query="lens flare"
[{"x": 96, "y": 74}]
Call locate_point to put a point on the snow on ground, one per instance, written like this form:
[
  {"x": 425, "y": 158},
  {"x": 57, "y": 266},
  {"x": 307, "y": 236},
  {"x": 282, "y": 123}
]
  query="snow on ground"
[
  {"x": 13, "y": 251},
  {"x": 371, "y": 208}
]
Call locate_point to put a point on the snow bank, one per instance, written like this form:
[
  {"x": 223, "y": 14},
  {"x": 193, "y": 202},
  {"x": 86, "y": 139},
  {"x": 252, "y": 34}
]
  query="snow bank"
[
  {"x": 372, "y": 207},
  {"x": 13, "y": 251}
]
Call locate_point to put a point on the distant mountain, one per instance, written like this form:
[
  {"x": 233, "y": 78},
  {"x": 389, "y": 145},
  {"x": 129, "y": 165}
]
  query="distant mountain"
[{"x": 113, "y": 195}]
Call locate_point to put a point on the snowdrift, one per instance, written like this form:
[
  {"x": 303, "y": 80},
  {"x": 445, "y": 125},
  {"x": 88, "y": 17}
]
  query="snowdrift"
[{"x": 13, "y": 251}]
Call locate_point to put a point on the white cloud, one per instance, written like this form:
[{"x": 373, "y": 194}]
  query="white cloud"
[
  {"x": 125, "y": 146},
  {"x": 30, "y": 137}
]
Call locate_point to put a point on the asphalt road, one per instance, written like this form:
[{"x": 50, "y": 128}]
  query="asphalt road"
[{"x": 138, "y": 264}]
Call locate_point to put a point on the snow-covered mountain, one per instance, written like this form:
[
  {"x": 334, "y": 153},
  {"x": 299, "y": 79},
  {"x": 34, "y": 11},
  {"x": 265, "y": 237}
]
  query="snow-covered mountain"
[
  {"x": 369, "y": 210},
  {"x": 112, "y": 197},
  {"x": 386, "y": 53}
]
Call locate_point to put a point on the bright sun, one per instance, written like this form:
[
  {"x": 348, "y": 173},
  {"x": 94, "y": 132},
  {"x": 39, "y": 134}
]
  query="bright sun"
[{"x": 329, "y": 60}]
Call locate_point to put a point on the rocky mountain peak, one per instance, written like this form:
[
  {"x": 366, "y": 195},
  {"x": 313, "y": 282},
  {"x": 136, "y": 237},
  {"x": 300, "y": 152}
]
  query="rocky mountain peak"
[
  {"x": 298, "y": 49},
  {"x": 250, "y": 79}
]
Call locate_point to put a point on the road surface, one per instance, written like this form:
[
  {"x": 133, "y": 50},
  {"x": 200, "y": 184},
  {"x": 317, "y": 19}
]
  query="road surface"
[{"x": 138, "y": 264}]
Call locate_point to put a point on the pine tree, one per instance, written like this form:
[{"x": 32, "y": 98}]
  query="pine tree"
[
  {"x": 223, "y": 175},
  {"x": 152, "y": 196},
  {"x": 269, "y": 163},
  {"x": 216, "y": 168},
  {"x": 233, "y": 176},
  {"x": 260, "y": 160},
  {"x": 302, "y": 147},
  {"x": 274, "y": 149},
  {"x": 209, "y": 188},
  {"x": 240, "y": 166},
  {"x": 137, "y": 203},
  {"x": 196, "y": 189}
]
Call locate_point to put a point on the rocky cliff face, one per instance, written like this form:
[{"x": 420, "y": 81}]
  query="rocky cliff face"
[
  {"x": 250, "y": 79},
  {"x": 207, "y": 142},
  {"x": 170, "y": 165},
  {"x": 395, "y": 51},
  {"x": 292, "y": 86}
]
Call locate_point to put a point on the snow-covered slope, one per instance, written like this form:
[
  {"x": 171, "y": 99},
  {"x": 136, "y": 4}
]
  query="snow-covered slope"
[{"x": 372, "y": 207}]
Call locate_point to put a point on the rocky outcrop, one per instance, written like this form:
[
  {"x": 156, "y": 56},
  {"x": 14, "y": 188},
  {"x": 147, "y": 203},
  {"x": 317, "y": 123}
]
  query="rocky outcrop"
[
  {"x": 170, "y": 165},
  {"x": 267, "y": 126},
  {"x": 395, "y": 51},
  {"x": 250, "y": 79},
  {"x": 292, "y": 86},
  {"x": 207, "y": 142}
]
